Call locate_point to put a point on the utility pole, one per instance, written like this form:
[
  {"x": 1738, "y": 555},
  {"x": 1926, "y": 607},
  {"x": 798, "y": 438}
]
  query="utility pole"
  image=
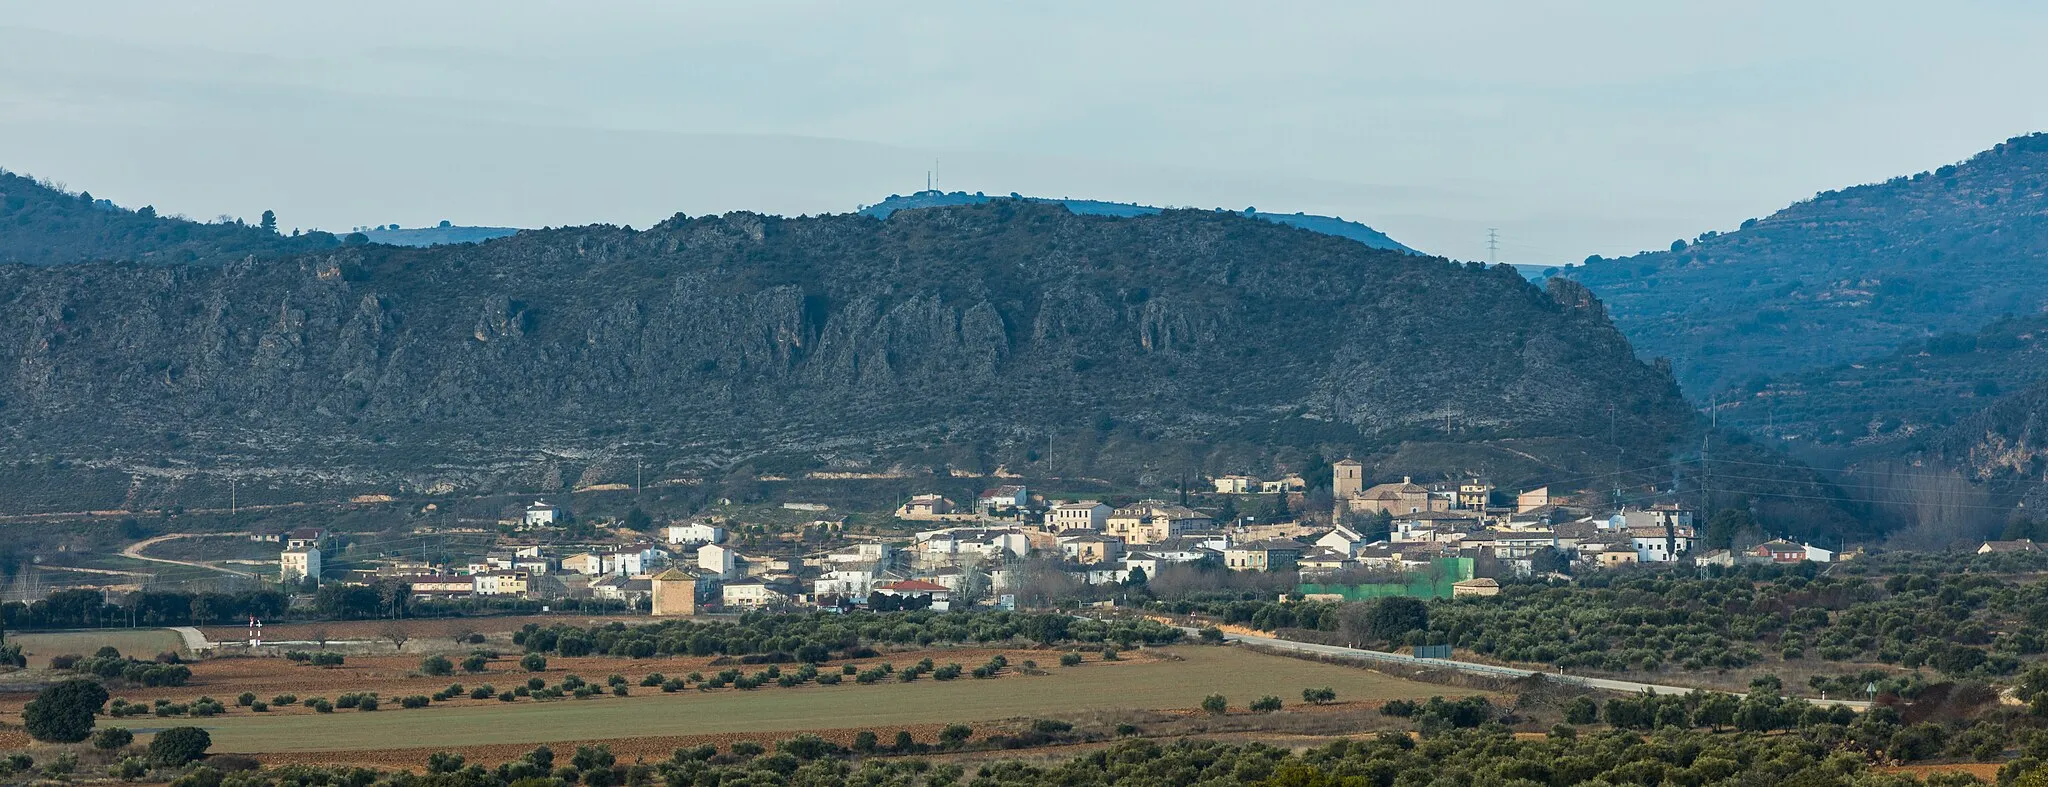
[{"x": 1492, "y": 245}]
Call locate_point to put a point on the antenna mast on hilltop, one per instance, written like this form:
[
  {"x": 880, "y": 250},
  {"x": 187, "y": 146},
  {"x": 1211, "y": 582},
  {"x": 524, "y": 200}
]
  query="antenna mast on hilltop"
[{"x": 1492, "y": 245}]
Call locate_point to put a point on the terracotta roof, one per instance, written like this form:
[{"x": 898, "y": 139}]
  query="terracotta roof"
[{"x": 914, "y": 585}]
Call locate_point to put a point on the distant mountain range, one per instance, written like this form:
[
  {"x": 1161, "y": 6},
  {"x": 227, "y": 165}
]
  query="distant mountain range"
[
  {"x": 1846, "y": 276},
  {"x": 1087, "y": 207}
]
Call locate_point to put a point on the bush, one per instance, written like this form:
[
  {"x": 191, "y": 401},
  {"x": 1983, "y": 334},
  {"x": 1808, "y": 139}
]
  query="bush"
[
  {"x": 367, "y": 703},
  {"x": 285, "y": 699},
  {"x": 1212, "y": 635},
  {"x": 1319, "y": 696},
  {"x": 64, "y": 713},
  {"x": 438, "y": 666},
  {"x": 1266, "y": 704},
  {"x": 1070, "y": 659},
  {"x": 653, "y": 679},
  {"x": 477, "y": 662},
  {"x": 129, "y": 769},
  {"x": 246, "y": 699},
  {"x": 112, "y": 738},
  {"x": 414, "y": 701},
  {"x": 954, "y": 735},
  {"x": 865, "y": 741},
  {"x": 483, "y": 692},
  {"x": 179, "y": 745},
  {"x": 260, "y": 707},
  {"x": 1404, "y": 708},
  {"x": 327, "y": 659},
  {"x": 1215, "y": 703},
  {"x": 534, "y": 662},
  {"x": 321, "y": 706}
]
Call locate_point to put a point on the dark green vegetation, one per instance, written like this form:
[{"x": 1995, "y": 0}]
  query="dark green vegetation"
[
  {"x": 1961, "y": 618},
  {"x": 1897, "y": 403},
  {"x": 1821, "y": 749},
  {"x": 1847, "y": 275},
  {"x": 1326, "y": 225},
  {"x": 63, "y": 713},
  {"x": 40, "y": 225},
  {"x": 436, "y": 236},
  {"x": 1008, "y": 333},
  {"x": 89, "y": 609},
  {"x": 179, "y": 745},
  {"x": 818, "y": 636}
]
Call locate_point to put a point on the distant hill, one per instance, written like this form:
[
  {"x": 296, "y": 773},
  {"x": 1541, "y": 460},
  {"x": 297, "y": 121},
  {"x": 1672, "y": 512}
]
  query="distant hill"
[
  {"x": 1008, "y": 334},
  {"x": 445, "y": 235},
  {"x": 42, "y": 225},
  {"x": 1845, "y": 276},
  {"x": 1085, "y": 207},
  {"x": 1895, "y": 403}
]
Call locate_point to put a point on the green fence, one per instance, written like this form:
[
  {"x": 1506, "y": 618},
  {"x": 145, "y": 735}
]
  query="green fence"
[{"x": 1435, "y": 583}]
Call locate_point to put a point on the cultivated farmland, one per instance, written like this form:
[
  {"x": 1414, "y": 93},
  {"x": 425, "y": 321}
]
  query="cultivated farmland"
[{"x": 1170, "y": 678}]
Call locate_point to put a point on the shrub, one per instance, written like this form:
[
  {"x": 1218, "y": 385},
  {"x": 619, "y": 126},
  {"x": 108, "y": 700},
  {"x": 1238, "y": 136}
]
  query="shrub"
[
  {"x": 534, "y": 662},
  {"x": 508, "y": 697},
  {"x": 653, "y": 679},
  {"x": 1402, "y": 708},
  {"x": 437, "y": 665},
  {"x": 112, "y": 738},
  {"x": 260, "y": 707},
  {"x": 672, "y": 685},
  {"x": 1126, "y": 730},
  {"x": 322, "y": 706},
  {"x": 246, "y": 699},
  {"x": 297, "y": 655},
  {"x": 1319, "y": 696},
  {"x": 619, "y": 690},
  {"x": 368, "y": 703},
  {"x": 414, "y": 701},
  {"x": 285, "y": 699},
  {"x": 1215, "y": 703},
  {"x": 1070, "y": 659},
  {"x": 1109, "y": 654},
  {"x": 64, "y": 713},
  {"x": 129, "y": 769},
  {"x": 1212, "y": 635},
  {"x": 477, "y": 662},
  {"x": 1266, "y": 704},
  {"x": 829, "y": 679},
  {"x": 327, "y": 659},
  {"x": 747, "y": 749},
  {"x": 954, "y": 735},
  {"x": 179, "y": 745},
  {"x": 849, "y": 669},
  {"x": 483, "y": 692},
  {"x": 865, "y": 741}
]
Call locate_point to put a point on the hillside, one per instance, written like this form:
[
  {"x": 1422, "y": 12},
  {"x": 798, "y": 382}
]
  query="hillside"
[
  {"x": 2004, "y": 445},
  {"x": 1007, "y": 333},
  {"x": 1842, "y": 277},
  {"x": 436, "y": 236},
  {"x": 1325, "y": 225},
  {"x": 41, "y": 225},
  {"x": 1892, "y": 404}
]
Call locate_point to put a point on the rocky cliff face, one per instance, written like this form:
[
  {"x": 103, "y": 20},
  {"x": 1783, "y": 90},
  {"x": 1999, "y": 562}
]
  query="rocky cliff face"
[{"x": 840, "y": 340}]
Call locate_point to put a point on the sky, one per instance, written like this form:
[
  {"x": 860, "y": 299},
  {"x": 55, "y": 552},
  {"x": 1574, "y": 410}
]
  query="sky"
[{"x": 1573, "y": 128}]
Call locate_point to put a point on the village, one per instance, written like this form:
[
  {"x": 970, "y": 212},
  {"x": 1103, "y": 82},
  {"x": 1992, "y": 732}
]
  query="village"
[{"x": 1434, "y": 540}]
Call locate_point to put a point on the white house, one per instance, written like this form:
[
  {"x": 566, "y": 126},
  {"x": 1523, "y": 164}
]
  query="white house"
[
  {"x": 1079, "y": 515},
  {"x": 1005, "y": 496},
  {"x": 541, "y": 514},
  {"x": 752, "y": 594},
  {"x": 695, "y": 533},
  {"x": 1341, "y": 539},
  {"x": 976, "y": 541},
  {"x": 1235, "y": 484},
  {"x": 298, "y": 563},
  {"x": 1656, "y": 544},
  {"x": 715, "y": 560},
  {"x": 844, "y": 582},
  {"x": 1818, "y": 555}
]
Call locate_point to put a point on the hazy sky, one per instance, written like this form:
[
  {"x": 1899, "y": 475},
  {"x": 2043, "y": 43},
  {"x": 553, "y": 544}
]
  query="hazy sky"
[{"x": 1575, "y": 128}]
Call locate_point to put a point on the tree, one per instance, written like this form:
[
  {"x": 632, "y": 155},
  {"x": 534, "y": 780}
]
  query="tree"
[
  {"x": 1716, "y": 711},
  {"x": 1581, "y": 710},
  {"x": 534, "y": 662},
  {"x": 179, "y": 745},
  {"x": 1136, "y": 578},
  {"x": 1394, "y": 616},
  {"x": 397, "y": 633},
  {"x": 1266, "y": 704},
  {"x": 64, "y": 713},
  {"x": 1215, "y": 704},
  {"x": 638, "y": 520},
  {"x": 461, "y": 632},
  {"x": 110, "y": 738},
  {"x": 269, "y": 222},
  {"x": 1727, "y": 524},
  {"x": 437, "y": 665},
  {"x": 476, "y": 662}
]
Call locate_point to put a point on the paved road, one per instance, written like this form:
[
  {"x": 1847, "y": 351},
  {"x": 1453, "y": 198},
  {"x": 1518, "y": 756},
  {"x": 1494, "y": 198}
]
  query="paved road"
[
  {"x": 135, "y": 551},
  {"x": 195, "y": 640},
  {"x": 1360, "y": 654}
]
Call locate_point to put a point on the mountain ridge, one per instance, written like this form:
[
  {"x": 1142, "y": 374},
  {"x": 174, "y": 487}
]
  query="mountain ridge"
[{"x": 1326, "y": 225}]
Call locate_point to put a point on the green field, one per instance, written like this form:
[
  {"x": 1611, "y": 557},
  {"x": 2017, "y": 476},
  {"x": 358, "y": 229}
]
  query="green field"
[
  {"x": 1240, "y": 675},
  {"x": 140, "y": 643}
]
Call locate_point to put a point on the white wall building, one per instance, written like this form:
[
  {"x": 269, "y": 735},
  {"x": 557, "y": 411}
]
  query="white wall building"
[
  {"x": 715, "y": 560},
  {"x": 295, "y": 565},
  {"x": 696, "y": 533},
  {"x": 1078, "y": 515},
  {"x": 541, "y": 514}
]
